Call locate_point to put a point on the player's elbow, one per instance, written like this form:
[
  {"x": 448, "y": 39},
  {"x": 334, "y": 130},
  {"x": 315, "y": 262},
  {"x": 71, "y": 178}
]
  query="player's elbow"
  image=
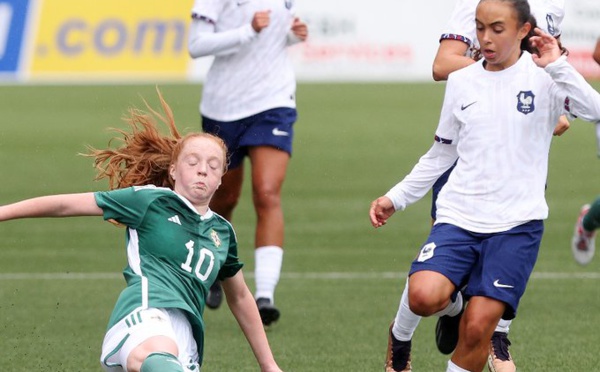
[
  {"x": 195, "y": 50},
  {"x": 192, "y": 49},
  {"x": 438, "y": 72}
]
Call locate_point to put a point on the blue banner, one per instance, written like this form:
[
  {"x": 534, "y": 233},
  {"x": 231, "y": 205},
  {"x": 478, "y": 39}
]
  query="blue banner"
[{"x": 13, "y": 19}]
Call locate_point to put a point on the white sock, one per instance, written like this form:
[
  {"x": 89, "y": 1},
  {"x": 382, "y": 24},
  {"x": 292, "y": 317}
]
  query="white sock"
[
  {"x": 406, "y": 321},
  {"x": 453, "y": 308},
  {"x": 503, "y": 326},
  {"x": 267, "y": 268},
  {"x": 454, "y": 368}
]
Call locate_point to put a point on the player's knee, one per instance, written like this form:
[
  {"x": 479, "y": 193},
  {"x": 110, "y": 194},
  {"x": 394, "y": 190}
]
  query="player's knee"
[
  {"x": 473, "y": 331},
  {"x": 267, "y": 198},
  {"x": 422, "y": 302},
  {"x": 161, "y": 362}
]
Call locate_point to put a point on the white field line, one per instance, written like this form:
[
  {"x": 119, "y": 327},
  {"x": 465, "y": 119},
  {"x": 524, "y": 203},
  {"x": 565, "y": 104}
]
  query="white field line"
[{"x": 308, "y": 275}]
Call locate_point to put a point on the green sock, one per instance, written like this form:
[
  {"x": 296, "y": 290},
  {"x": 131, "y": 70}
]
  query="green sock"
[
  {"x": 591, "y": 221},
  {"x": 161, "y": 362}
]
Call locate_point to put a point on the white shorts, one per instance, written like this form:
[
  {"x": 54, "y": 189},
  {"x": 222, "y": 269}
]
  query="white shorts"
[{"x": 140, "y": 325}]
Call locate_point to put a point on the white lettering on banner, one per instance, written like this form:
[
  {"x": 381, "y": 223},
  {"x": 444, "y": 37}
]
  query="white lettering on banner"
[
  {"x": 347, "y": 43},
  {"x": 5, "y": 19}
]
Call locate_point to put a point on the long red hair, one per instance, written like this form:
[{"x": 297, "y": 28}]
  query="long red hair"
[{"x": 145, "y": 154}]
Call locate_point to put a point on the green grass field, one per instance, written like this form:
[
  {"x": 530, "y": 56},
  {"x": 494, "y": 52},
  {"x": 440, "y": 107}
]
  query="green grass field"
[{"x": 341, "y": 280}]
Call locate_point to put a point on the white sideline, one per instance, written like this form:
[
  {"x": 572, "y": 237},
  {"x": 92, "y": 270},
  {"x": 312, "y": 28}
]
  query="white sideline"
[{"x": 307, "y": 275}]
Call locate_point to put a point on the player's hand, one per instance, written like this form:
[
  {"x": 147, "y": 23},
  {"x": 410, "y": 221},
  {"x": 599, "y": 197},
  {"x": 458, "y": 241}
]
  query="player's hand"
[
  {"x": 300, "y": 29},
  {"x": 381, "y": 209},
  {"x": 547, "y": 47},
  {"x": 562, "y": 126},
  {"x": 261, "y": 20}
]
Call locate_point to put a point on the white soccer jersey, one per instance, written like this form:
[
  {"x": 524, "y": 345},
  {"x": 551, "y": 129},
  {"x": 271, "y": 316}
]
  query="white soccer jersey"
[
  {"x": 499, "y": 125},
  {"x": 256, "y": 74},
  {"x": 549, "y": 15}
]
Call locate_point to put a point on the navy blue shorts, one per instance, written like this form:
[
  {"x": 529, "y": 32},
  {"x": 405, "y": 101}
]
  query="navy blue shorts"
[
  {"x": 494, "y": 265},
  {"x": 269, "y": 128}
]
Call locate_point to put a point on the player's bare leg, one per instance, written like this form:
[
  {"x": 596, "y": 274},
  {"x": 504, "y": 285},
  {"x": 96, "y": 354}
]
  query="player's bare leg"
[
  {"x": 476, "y": 328},
  {"x": 223, "y": 202},
  {"x": 228, "y": 194},
  {"x": 269, "y": 166},
  {"x": 163, "y": 351}
]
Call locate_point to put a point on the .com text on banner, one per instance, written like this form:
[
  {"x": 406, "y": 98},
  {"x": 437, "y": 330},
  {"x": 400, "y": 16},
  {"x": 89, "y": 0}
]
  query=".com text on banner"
[{"x": 111, "y": 39}]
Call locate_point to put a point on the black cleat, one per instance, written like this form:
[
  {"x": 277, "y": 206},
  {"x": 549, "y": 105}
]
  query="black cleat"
[
  {"x": 446, "y": 332},
  {"x": 215, "y": 296},
  {"x": 268, "y": 312},
  {"x": 397, "y": 358}
]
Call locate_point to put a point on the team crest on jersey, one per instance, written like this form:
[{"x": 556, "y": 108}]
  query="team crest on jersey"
[
  {"x": 215, "y": 238},
  {"x": 525, "y": 102},
  {"x": 288, "y": 4}
]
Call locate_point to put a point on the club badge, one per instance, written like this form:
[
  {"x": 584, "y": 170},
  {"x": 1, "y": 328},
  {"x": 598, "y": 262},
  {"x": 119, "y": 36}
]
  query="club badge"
[
  {"x": 215, "y": 238},
  {"x": 525, "y": 102}
]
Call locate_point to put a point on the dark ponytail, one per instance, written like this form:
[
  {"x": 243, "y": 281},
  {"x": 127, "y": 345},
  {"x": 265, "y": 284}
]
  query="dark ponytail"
[{"x": 525, "y": 44}]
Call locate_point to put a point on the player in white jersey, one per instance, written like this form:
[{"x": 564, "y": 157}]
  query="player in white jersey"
[
  {"x": 459, "y": 48},
  {"x": 248, "y": 100},
  {"x": 176, "y": 246},
  {"x": 497, "y": 121}
]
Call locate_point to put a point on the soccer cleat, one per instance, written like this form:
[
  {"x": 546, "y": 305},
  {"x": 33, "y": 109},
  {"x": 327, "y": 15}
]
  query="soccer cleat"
[
  {"x": 446, "y": 332},
  {"x": 499, "y": 358},
  {"x": 215, "y": 295},
  {"x": 583, "y": 244},
  {"x": 397, "y": 358},
  {"x": 268, "y": 312}
]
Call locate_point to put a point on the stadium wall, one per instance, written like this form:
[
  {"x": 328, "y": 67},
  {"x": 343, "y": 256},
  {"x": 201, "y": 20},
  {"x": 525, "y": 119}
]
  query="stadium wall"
[{"x": 146, "y": 40}]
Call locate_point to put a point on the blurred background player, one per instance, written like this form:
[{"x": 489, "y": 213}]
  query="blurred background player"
[
  {"x": 459, "y": 48},
  {"x": 248, "y": 100},
  {"x": 161, "y": 187},
  {"x": 583, "y": 243}
]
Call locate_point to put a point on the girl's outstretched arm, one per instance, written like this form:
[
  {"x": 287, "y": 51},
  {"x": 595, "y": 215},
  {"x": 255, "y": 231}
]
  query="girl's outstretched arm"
[
  {"x": 63, "y": 205},
  {"x": 242, "y": 305}
]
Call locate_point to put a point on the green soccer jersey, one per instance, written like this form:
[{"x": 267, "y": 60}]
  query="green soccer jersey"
[{"x": 174, "y": 254}]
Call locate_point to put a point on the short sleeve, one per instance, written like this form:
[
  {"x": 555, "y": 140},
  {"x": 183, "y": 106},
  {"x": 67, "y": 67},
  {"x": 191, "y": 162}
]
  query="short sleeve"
[
  {"x": 207, "y": 9},
  {"x": 461, "y": 25},
  {"x": 232, "y": 264},
  {"x": 126, "y": 206},
  {"x": 549, "y": 15}
]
